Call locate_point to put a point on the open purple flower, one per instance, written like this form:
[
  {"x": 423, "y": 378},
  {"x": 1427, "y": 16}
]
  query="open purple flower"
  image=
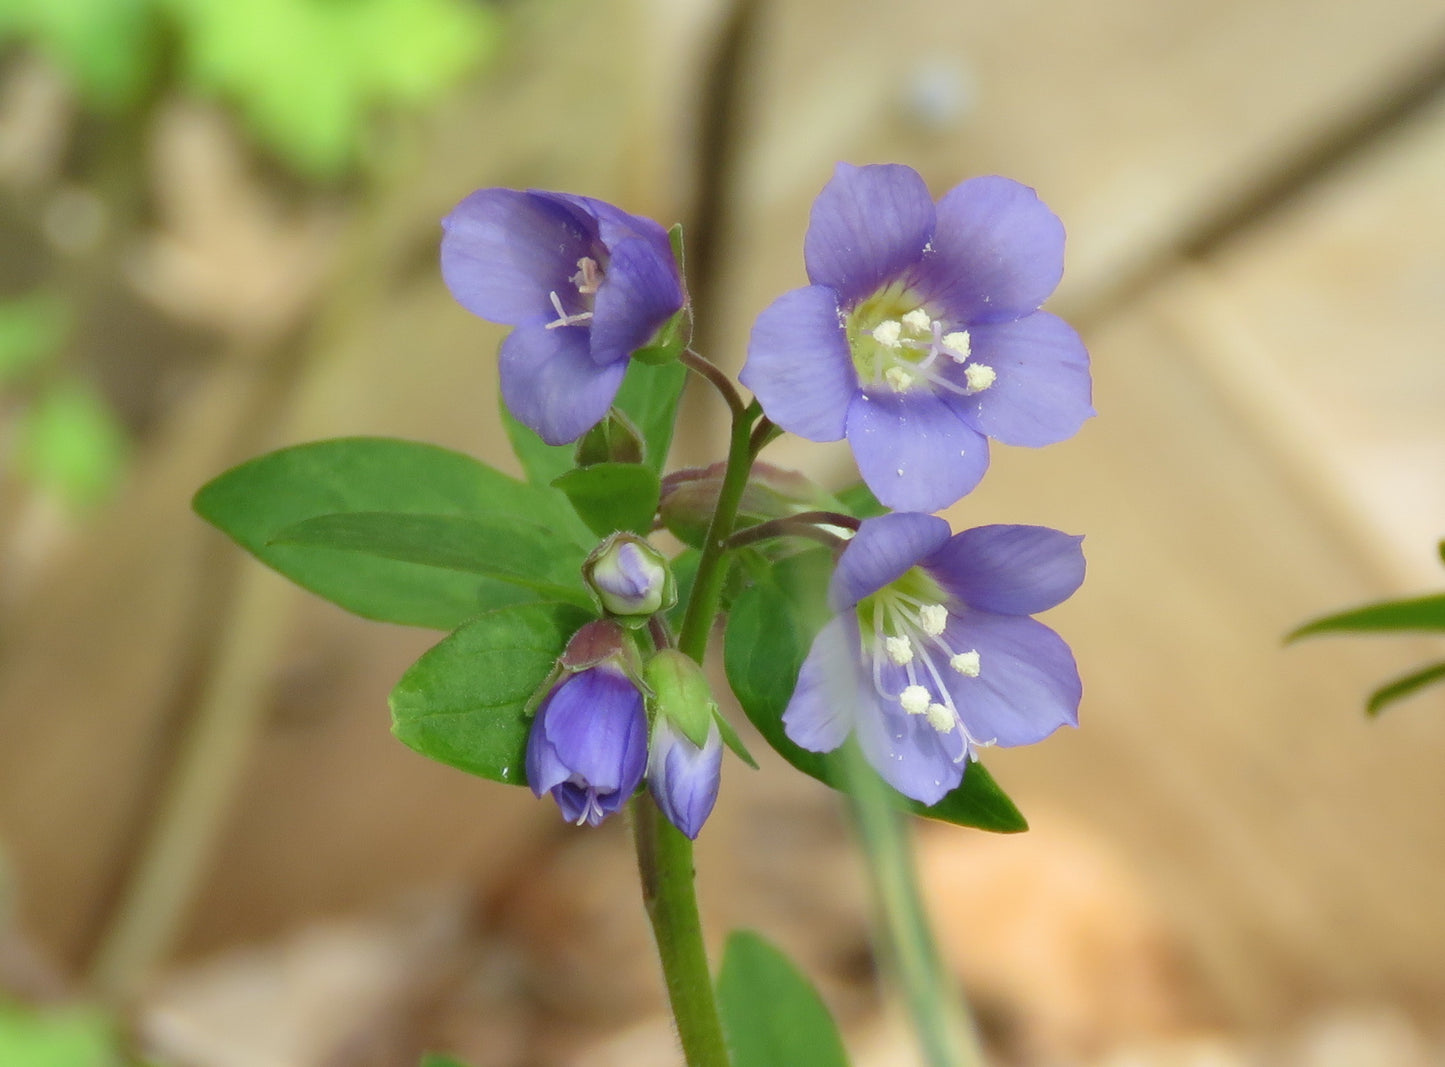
[
  {"x": 584, "y": 283},
  {"x": 588, "y": 745},
  {"x": 932, "y": 653},
  {"x": 920, "y": 337}
]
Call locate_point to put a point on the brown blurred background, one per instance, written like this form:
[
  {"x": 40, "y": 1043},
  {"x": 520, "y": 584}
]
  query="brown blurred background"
[{"x": 202, "y": 815}]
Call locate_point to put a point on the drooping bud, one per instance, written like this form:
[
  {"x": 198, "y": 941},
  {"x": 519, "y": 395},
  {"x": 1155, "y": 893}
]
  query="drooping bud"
[
  {"x": 588, "y": 744},
  {"x": 684, "y": 777},
  {"x": 613, "y": 440},
  {"x": 629, "y": 576},
  {"x": 690, "y": 496}
]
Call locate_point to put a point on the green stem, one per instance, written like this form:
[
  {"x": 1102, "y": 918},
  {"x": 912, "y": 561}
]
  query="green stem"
[
  {"x": 940, "y": 1015},
  {"x": 664, "y": 854},
  {"x": 664, "y": 859}
]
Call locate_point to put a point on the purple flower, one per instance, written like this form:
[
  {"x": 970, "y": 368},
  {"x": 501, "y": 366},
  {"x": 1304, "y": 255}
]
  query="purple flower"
[
  {"x": 588, "y": 745},
  {"x": 684, "y": 778},
  {"x": 584, "y": 283},
  {"x": 932, "y": 654},
  {"x": 920, "y": 336}
]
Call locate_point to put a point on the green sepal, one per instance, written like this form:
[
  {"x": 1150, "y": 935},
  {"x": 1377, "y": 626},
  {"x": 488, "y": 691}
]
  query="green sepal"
[
  {"x": 732, "y": 740},
  {"x": 771, "y": 1014},
  {"x": 465, "y": 702},
  {"x": 678, "y": 691},
  {"x": 610, "y": 497}
]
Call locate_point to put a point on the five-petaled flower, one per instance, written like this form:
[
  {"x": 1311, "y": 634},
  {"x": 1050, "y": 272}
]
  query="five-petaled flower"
[
  {"x": 920, "y": 336},
  {"x": 584, "y": 283},
  {"x": 588, "y": 744},
  {"x": 932, "y": 654}
]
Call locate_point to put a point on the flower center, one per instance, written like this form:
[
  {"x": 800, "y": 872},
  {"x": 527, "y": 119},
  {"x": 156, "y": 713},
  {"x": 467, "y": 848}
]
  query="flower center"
[
  {"x": 897, "y": 343},
  {"x": 904, "y": 627},
  {"x": 587, "y": 280}
]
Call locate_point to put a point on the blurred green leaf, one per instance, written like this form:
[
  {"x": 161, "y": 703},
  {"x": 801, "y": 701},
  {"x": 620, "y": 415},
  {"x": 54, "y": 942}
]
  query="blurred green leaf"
[
  {"x": 70, "y": 444},
  {"x": 1426, "y": 613},
  {"x": 32, "y": 328},
  {"x": 1400, "y": 688},
  {"x": 464, "y": 703},
  {"x": 107, "y": 47},
  {"x": 508, "y": 549},
  {"x": 859, "y": 500},
  {"x": 772, "y": 1015},
  {"x": 613, "y": 496},
  {"x": 65, "y": 1037},
  {"x": 257, "y": 500},
  {"x": 307, "y": 74},
  {"x": 769, "y": 631},
  {"x": 437, "y": 1059}
]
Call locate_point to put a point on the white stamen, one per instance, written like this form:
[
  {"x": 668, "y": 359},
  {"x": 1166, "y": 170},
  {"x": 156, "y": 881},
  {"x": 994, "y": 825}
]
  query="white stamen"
[
  {"x": 940, "y": 718},
  {"x": 933, "y": 617},
  {"x": 887, "y": 333},
  {"x": 564, "y": 319},
  {"x": 899, "y": 650},
  {"x": 898, "y": 378},
  {"x": 915, "y": 700},
  {"x": 957, "y": 345},
  {"x": 979, "y": 376},
  {"x": 966, "y": 663},
  {"x": 918, "y": 321}
]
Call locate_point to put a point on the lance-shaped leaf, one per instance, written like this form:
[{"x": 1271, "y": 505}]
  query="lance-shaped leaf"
[
  {"x": 772, "y": 1015},
  {"x": 465, "y": 702},
  {"x": 1400, "y": 688},
  {"x": 508, "y": 550},
  {"x": 258, "y": 500},
  {"x": 613, "y": 496},
  {"x": 1418, "y": 614}
]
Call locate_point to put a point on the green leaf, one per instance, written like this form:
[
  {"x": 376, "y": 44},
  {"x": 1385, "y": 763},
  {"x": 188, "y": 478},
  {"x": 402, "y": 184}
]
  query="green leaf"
[
  {"x": 32, "y": 329},
  {"x": 437, "y": 1059},
  {"x": 71, "y": 444},
  {"x": 772, "y": 1015},
  {"x": 1425, "y": 613},
  {"x": 259, "y": 499},
  {"x": 509, "y": 550},
  {"x": 649, "y": 397},
  {"x": 768, "y": 636},
  {"x": 541, "y": 463},
  {"x": 859, "y": 500},
  {"x": 63, "y": 1037},
  {"x": 464, "y": 703},
  {"x": 613, "y": 496},
  {"x": 306, "y": 75},
  {"x": 106, "y": 47},
  {"x": 1400, "y": 688}
]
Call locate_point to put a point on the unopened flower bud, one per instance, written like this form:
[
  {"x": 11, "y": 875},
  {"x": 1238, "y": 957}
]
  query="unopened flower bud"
[
  {"x": 629, "y": 576},
  {"x": 689, "y": 497},
  {"x": 683, "y": 777}
]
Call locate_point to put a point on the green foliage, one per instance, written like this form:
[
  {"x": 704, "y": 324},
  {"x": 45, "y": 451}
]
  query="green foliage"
[
  {"x": 70, "y": 444},
  {"x": 107, "y": 47},
  {"x": 1420, "y": 614},
  {"x": 465, "y": 702},
  {"x": 275, "y": 494},
  {"x": 613, "y": 496},
  {"x": 66, "y": 1037},
  {"x": 32, "y": 328},
  {"x": 436, "y": 1059},
  {"x": 1403, "y": 687},
  {"x": 858, "y": 500},
  {"x": 772, "y": 1015},
  {"x": 770, "y": 629},
  {"x": 306, "y": 74}
]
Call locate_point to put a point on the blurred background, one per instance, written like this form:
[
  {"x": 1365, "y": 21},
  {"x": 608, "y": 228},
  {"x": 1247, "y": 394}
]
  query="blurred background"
[{"x": 219, "y": 224}]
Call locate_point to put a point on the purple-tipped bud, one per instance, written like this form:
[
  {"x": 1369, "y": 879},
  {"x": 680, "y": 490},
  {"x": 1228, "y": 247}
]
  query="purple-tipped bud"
[
  {"x": 684, "y": 778},
  {"x": 629, "y": 576},
  {"x": 588, "y": 745}
]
